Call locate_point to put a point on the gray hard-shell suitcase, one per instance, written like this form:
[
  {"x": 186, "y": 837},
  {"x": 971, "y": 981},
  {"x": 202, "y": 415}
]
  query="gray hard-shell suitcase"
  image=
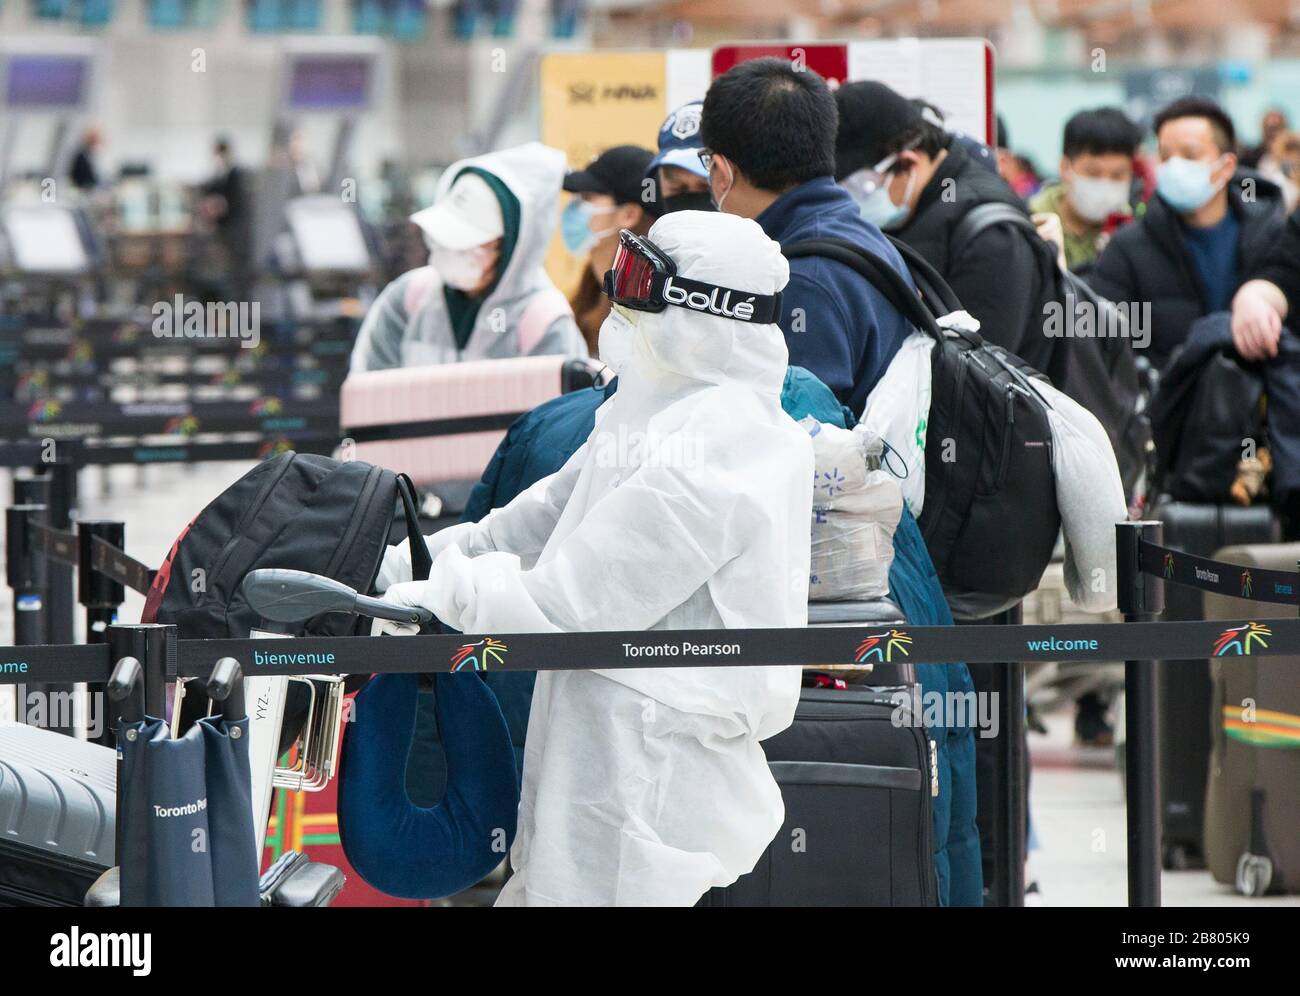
[
  {"x": 1252, "y": 807},
  {"x": 57, "y": 807}
]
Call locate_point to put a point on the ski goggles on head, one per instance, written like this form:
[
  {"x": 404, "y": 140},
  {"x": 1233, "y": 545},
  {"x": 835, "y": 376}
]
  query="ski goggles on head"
[{"x": 644, "y": 278}]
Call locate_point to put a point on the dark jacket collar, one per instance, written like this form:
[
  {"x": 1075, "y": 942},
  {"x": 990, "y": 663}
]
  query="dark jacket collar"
[{"x": 954, "y": 164}]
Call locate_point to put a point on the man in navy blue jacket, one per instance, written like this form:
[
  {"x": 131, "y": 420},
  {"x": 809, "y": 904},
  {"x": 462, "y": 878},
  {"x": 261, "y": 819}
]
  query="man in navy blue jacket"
[{"x": 769, "y": 136}]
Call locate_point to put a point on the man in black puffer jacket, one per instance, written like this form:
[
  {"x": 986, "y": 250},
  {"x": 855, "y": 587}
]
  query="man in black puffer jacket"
[
  {"x": 1207, "y": 228},
  {"x": 916, "y": 181}
]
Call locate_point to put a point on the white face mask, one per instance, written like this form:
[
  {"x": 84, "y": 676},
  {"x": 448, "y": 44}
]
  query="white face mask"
[
  {"x": 1094, "y": 198},
  {"x": 615, "y": 341},
  {"x": 719, "y": 200},
  {"x": 462, "y": 269}
]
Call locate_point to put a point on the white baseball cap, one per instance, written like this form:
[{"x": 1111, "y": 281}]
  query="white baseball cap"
[{"x": 467, "y": 215}]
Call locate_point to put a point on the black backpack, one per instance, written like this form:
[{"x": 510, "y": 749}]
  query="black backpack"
[
  {"x": 990, "y": 519},
  {"x": 1101, "y": 372},
  {"x": 296, "y": 510}
]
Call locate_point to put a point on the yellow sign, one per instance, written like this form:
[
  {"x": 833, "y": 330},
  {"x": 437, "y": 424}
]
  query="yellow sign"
[{"x": 592, "y": 101}]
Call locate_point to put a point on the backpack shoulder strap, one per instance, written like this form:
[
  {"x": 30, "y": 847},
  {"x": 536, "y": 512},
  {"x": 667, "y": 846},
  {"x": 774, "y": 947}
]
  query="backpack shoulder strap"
[
  {"x": 545, "y": 308},
  {"x": 983, "y": 217},
  {"x": 877, "y": 271}
]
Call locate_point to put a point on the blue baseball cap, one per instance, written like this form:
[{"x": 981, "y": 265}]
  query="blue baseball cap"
[{"x": 679, "y": 140}]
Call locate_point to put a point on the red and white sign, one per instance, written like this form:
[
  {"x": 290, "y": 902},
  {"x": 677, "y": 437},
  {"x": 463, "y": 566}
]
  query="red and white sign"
[{"x": 954, "y": 74}]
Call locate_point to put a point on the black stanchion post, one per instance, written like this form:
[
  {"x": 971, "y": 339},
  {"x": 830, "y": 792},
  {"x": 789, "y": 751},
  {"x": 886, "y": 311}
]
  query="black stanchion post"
[
  {"x": 1141, "y": 599},
  {"x": 27, "y": 571},
  {"x": 1002, "y": 769},
  {"x": 154, "y": 646},
  {"x": 1013, "y": 806},
  {"x": 98, "y": 593},
  {"x": 33, "y": 490},
  {"x": 62, "y": 476}
]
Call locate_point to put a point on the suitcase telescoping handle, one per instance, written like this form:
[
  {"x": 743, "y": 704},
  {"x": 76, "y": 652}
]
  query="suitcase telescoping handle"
[{"x": 286, "y": 596}]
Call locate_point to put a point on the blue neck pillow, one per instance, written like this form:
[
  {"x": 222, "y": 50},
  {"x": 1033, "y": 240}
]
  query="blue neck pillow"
[{"x": 427, "y": 852}]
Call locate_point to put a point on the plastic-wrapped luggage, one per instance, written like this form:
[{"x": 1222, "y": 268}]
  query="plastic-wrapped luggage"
[
  {"x": 442, "y": 423},
  {"x": 1252, "y": 806},
  {"x": 57, "y": 811},
  {"x": 856, "y": 506}
]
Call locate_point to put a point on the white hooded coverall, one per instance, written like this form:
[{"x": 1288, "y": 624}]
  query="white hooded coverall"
[
  {"x": 408, "y": 324},
  {"x": 649, "y": 786}
]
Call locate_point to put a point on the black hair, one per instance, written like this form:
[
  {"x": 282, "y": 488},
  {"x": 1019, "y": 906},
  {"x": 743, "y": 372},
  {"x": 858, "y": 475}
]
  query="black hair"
[
  {"x": 1100, "y": 131},
  {"x": 221, "y": 144},
  {"x": 929, "y": 136},
  {"x": 775, "y": 122},
  {"x": 1225, "y": 135}
]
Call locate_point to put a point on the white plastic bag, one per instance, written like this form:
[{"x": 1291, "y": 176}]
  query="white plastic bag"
[
  {"x": 1090, "y": 497},
  {"x": 856, "y": 506},
  {"x": 898, "y": 411}
]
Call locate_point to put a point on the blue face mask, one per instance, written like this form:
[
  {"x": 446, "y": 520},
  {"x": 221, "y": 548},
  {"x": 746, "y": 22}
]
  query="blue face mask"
[
  {"x": 1185, "y": 184},
  {"x": 575, "y": 226},
  {"x": 879, "y": 209}
]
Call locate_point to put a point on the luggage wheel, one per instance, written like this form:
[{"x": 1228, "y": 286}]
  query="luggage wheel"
[{"x": 1254, "y": 874}]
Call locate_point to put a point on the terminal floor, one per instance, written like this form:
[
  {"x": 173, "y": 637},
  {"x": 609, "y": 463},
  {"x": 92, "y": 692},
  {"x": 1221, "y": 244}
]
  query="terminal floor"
[{"x": 1076, "y": 799}]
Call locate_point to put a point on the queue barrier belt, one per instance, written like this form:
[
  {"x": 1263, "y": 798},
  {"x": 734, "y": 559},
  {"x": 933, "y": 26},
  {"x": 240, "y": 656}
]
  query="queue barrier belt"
[{"x": 857, "y": 647}]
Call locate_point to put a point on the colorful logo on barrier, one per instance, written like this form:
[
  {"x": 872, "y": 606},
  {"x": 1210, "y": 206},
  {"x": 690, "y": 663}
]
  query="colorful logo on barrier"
[
  {"x": 475, "y": 656},
  {"x": 273, "y": 447},
  {"x": 1239, "y": 640},
  {"x": 1247, "y": 584},
  {"x": 879, "y": 648},
  {"x": 1169, "y": 565},
  {"x": 182, "y": 425},
  {"x": 266, "y": 406},
  {"x": 44, "y": 411}
]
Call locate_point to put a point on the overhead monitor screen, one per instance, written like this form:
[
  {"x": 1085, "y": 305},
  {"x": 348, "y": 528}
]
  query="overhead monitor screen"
[
  {"x": 47, "y": 82},
  {"x": 328, "y": 234},
  {"x": 44, "y": 239},
  {"x": 329, "y": 82}
]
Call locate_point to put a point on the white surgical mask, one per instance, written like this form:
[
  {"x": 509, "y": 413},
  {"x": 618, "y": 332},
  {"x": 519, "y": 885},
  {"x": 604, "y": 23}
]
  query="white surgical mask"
[
  {"x": 462, "y": 269},
  {"x": 1094, "y": 198},
  {"x": 615, "y": 339},
  {"x": 718, "y": 201}
]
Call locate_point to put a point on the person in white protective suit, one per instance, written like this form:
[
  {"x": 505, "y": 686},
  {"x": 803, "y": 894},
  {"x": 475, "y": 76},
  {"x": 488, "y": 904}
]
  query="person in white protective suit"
[
  {"x": 484, "y": 294},
  {"x": 687, "y": 507}
]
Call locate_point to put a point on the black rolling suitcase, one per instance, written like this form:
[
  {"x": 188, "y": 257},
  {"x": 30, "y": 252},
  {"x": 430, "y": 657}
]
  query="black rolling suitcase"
[
  {"x": 1184, "y": 685},
  {"x": 857, "y": 773},
  {"x": 57, "y": 805},
  {"x": 857, "y": 790}
]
